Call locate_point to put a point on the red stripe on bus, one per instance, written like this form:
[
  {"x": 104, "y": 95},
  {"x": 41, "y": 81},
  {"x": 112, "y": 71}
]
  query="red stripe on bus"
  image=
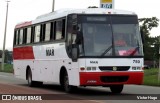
[
  {"x": 92, "y": 78},
  {"x": 23, "y": 53},
  {"x": 23, "y": 24}
]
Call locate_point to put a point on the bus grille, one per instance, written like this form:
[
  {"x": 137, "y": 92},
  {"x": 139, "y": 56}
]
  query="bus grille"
[
  {"x": 118, "y": 68},
  {"x": 111, "y": 79}
]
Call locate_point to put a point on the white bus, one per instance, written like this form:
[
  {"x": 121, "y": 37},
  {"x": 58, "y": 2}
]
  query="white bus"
[{"x": 84, "y": 47}]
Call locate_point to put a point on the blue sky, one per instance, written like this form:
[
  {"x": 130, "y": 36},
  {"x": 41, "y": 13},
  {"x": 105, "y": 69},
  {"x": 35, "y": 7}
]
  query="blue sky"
[{"x": 26, "y": 10}]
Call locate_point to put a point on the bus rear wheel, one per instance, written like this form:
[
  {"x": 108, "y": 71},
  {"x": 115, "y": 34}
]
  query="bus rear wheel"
[
  {"x": 116, "y": 88},
  {"x": 29, "y": 79},
  {"x": 32, "y": 83}
]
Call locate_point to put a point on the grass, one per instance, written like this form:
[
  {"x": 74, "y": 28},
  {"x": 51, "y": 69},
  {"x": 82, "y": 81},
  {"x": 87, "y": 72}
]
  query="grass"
[
  {"x": 7, "y": 68},
  {"x": 151, "y": 77}
]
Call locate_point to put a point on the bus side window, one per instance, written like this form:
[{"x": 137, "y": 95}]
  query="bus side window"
[
  {"x": 58, "y": 30},
  {"x": 47, "y": 31},
  {"x": 16, "y": 37},
  {"x": 28, "y": 35},
  {"x": 21, "y": 36},
  {"x": 24, "y": 35},
  {"x": 37, "y": 33}
]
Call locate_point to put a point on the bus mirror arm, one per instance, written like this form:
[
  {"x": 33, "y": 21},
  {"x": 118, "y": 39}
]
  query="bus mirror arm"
[{"x": 75, "y": 53}]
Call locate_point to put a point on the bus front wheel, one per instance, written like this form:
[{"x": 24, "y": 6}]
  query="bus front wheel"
[
  {"x": 68, "y": 88},
  {"x": 116, "y": 88}
]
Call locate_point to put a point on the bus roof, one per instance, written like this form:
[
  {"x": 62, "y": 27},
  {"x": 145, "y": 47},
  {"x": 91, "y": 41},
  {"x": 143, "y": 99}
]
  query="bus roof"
[
  {"x": 63, "y": 13},
  {"x": 23, "y": 24}
]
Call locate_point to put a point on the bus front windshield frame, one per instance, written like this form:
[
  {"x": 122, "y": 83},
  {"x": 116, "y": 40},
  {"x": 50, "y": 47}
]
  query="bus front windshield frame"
[{"x": 110, "y": 35}]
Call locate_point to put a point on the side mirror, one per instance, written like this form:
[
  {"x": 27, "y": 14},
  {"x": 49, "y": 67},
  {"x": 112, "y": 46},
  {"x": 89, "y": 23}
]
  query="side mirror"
[{"x": 74, "y": 53}]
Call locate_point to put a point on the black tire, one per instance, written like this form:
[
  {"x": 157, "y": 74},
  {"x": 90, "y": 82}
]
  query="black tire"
[
  {"x": 32, "y": 83},
  {"x": 68, "y": 88},
  {"x": 38, "y": 84},
  {"x": 116, "y": 88}
]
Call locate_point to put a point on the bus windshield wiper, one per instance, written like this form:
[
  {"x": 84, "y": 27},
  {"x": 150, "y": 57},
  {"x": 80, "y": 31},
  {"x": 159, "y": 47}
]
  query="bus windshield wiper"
[
  {"x": 109, "y": 48},
  {"x": 134, "y": 51}
]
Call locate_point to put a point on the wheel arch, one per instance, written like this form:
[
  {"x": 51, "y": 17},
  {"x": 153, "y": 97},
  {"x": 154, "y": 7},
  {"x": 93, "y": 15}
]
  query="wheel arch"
[
  {"x": 27, "y": 69},
  {"x": 63, "y": 70}
]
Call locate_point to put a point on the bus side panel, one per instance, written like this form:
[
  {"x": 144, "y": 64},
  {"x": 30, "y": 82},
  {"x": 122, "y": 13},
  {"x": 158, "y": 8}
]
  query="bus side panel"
[
  {"x": 20, "y": 67},
  {"x": 49, "y": 59},
  {"x": 16, "y": 68},
  {"x": 73, "y": 73},
  {"x": 49, "y": 72},
  {"x": 36, "y": 74},
  {"x": 45, "y": 70}
]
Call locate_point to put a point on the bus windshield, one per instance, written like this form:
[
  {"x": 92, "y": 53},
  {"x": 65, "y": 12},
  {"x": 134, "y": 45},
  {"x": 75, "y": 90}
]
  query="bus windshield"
[{"x": 114, "y": 35}]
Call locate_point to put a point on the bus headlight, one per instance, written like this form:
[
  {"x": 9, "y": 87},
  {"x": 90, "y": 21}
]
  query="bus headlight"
[
  {"x": 89, "y": 68},
  {"x": 138, "y": 68},
  {"x": 94, "y": 68}
]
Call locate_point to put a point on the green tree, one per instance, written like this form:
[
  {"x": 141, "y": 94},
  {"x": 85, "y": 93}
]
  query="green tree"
[
  {"x": 0, "y": 53},
  {"x": 8, "y": 56},
  {"x": 150, "y": 43}
]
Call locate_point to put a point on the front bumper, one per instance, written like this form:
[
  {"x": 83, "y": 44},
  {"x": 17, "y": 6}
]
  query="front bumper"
[{"x": 110, "y": 78}]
